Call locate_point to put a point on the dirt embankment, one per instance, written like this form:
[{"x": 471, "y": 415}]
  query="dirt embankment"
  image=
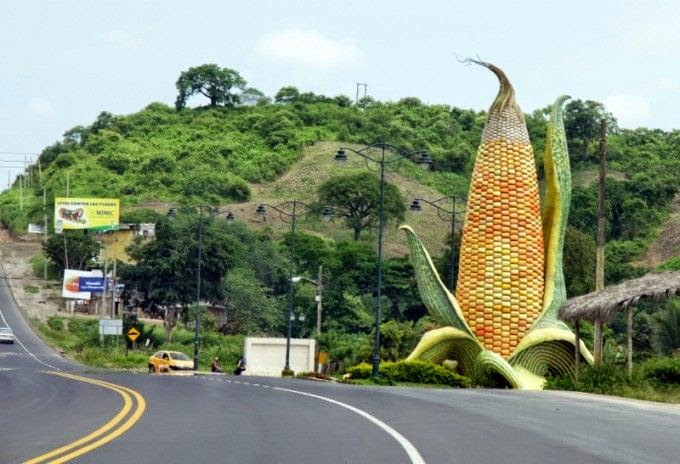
[
  {"x": 32, "y": 295},
  {"x": 667, "y": 244}
]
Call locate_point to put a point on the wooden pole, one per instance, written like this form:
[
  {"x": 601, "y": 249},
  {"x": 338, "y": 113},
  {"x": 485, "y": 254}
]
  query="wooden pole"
[
  {"x": 599, "y": 258},
  {"x": 577, "y": 348},
  {"x": 630, "y": 340},
  {"x": 319, "y": 292},
  {"x": 45, "y": 234},
  {"x": 113, "y": 292}
]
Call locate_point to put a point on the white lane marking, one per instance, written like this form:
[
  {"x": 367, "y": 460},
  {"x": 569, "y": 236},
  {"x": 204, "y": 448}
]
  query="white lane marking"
[
  {"x": 411, "y": 450},
  {"x": 26, "y": 349}
]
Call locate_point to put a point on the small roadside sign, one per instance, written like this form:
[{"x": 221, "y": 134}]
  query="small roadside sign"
[
  {"x": 110, "y": 327},
  {"x": 133, "y": 334}
]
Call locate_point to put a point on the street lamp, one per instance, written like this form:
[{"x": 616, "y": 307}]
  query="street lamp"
[
  {"x": 318, "y": 298},
  {"x": 383, "y": 149},
  {"x": 289, "y": 211},
  {"x": 445, "y": 214},
  {"x": 211, "y": 212}
]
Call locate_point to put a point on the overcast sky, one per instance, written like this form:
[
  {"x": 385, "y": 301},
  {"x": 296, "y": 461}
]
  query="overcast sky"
[{"x": 62, "y": 63}]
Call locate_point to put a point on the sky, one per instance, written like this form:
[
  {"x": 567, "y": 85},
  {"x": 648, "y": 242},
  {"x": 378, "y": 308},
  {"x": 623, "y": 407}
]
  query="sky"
[{"x": 63, "y": 62}]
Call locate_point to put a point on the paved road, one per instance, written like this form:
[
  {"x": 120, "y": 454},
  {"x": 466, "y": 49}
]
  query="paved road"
[{"x": 227, "y": 419}]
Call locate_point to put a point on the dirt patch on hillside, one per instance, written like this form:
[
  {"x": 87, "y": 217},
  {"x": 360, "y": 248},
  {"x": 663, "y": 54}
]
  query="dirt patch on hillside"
[
  {"x": 667, "y": 245},
  {"x": 34, "y": 296}
]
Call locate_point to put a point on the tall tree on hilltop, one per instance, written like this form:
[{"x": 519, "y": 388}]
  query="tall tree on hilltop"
[
  {"x": 211, "y": 81},
  {"x": 582, "y": 122}
]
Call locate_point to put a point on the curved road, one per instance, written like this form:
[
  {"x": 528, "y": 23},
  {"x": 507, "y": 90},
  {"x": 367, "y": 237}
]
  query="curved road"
[{"x": 216, "y": 419}]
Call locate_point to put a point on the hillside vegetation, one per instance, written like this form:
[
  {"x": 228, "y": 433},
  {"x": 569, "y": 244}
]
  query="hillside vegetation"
[{"x": 241, "y": 155}]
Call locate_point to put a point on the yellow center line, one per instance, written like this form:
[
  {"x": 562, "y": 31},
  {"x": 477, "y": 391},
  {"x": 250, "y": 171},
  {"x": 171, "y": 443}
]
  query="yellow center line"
[{"x": 127, "y": 406}]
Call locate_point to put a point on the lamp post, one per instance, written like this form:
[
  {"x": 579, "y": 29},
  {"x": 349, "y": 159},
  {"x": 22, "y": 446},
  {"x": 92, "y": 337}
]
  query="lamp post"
[
  {"x": 449, "y": 215},
  {"x": 318, "y": 298},
  {"x": 382, "y": 161},
  {"x": 289, "y": 211},
  {"x": 211, "y": 212}
]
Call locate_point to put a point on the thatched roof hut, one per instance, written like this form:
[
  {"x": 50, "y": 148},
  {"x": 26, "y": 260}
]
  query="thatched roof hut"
[{"x": 604, "y": 305}]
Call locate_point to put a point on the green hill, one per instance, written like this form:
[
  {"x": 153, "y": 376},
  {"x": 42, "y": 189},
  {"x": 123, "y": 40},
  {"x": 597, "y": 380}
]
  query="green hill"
[{"x": 241, "y": 156}]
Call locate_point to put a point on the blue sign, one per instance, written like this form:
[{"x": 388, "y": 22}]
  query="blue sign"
[{"x": 91, "y": 284}]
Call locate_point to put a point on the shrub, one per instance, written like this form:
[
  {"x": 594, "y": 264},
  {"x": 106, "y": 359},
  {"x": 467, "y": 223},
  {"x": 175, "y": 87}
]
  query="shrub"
[
  {"x": 601, "y": 378},
  {"x": 31, "y": 289},
  {"x": 412, "y": 372},
  {"x": 422, "y": 372},
  {"x": 662, "y": 370},
  {"x": 56, "y": 323},
  {"x": 360, "y": 371}
]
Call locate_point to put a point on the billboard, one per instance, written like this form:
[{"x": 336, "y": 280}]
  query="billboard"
[
  {"x": 79, "y": 284},
  {"x": 86, "y": 213}
]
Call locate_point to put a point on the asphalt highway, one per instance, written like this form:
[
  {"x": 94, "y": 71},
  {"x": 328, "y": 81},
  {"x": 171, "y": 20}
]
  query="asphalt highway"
[{"x": 91, "y": 416}]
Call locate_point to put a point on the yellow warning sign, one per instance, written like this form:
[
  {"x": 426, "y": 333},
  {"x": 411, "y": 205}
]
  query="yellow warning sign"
[{"x": 133, "y": 334}]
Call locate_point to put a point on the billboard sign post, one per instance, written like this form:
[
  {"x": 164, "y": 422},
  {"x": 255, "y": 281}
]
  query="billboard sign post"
[{"x": 100, "y": 214}]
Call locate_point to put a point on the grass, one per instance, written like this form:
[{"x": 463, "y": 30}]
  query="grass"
[
  {"x": 31, "y": 289},
  {"x": 317, "y": 165},
  {"x": 78, "y": 338}
]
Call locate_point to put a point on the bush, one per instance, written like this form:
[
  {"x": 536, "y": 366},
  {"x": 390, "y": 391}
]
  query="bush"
[
  {"x": 31, "y": 289},
  {"x": 56, "y": 323},
  {"x": 662, "y": 370},
  {"x": 411, "y": 372},
  {"x": 360, "y": 371},
  {"x": 602, "y": 378},
  {"x": 422, "y": 372}
]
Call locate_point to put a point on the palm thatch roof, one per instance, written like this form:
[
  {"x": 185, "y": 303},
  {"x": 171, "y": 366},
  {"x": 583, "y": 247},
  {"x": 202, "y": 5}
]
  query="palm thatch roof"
[{"x": 603, "y": 305}]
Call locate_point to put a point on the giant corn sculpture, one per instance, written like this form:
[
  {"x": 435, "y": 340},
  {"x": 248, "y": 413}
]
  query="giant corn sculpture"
[{"x": 502, "y": 326}]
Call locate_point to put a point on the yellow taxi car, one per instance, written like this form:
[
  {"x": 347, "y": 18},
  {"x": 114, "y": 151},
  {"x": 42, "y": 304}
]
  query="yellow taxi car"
[{"x": 164, "y": 361}]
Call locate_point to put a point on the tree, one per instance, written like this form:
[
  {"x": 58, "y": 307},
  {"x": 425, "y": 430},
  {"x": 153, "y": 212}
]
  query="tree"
[
  {"x": 166, "y": 268},
  {"x": 667, "y": 328},
  {"x": 579, "y": 262},
  {"x": 73, "y": 249},
  {"x": 212, "y": 82},
  {"x": 582, "y": 121},
  {"x": 287, "y": 94},
  {"x": 252, "y": 96},
  {"x": 356, "y": 197}
]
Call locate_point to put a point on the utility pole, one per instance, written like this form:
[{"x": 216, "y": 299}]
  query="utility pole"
[
  {"x": 113, "y": 292},
  {"x": 44, "y": 232},
  {"x": 599, "y": 256},
  {"x": 319, "y": 292},
  {"x": 68, "y": 186},
  {"x": 106, "y": 282},
  {"x": 21, "y": 192},
  {"x": 319, "y": 308},
  {"x": 365, "y": 86}
]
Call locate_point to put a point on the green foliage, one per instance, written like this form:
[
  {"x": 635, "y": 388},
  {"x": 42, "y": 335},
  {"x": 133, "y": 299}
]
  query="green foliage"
[
  {"x": 582, "y": 121},
  {"x": 601, "y": 378},
  {"x": 56, "y": 323},
  {"x": 31, "y": 289},
  {"x": 250, "y": 309},
  {"x": 579, "y": 262},
  {"x": 673, "y": 264},
  {"x": 667, "y": 327},
  {"x": 73, "y": 248},
  {"x": 356, "y": 199},
  {"x": 663, "y": 370},
  {"x": 212, "y": 82},
  {"x": 412, "y": 372},
  {"x": 360, "y": 371}
]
